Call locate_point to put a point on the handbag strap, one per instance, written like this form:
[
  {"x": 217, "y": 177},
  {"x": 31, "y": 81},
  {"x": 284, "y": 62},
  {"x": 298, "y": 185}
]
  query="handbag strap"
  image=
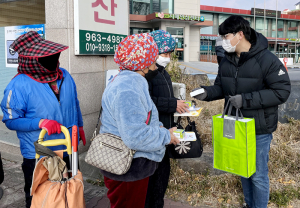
[{"x": 148, "y": 121}]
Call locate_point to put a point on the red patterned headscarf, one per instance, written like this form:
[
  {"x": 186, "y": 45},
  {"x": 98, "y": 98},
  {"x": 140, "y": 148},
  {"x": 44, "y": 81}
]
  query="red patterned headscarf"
[
  {"x": 30, "y": 47},
  {"x": 136, "y": 52}
]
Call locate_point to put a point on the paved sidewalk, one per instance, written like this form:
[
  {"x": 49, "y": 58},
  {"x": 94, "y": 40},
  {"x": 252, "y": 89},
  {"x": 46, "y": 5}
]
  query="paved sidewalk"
[{"x": 95, "y": 196}]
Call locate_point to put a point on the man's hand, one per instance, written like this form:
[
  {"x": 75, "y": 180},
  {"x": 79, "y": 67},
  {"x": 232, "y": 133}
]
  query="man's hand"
[
  {"x": 182, "y": 107},
  {"x": 201, "y": 96},
  {"x": 174, "y": 139},
  {"x": 236, "y": 101}
]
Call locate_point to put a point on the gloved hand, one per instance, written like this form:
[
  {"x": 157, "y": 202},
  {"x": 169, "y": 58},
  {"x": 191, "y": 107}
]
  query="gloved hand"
[
  {"x": 51, "y": 126},
  {"x": 236, "y": 101},
  {"x": 200, "y": 96},
  {"x": 82, "y": 135}
]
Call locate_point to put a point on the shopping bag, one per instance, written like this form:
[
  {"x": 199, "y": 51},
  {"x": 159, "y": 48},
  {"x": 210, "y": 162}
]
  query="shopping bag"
[
  {"x": 186, "y": 149},
  {"x": 234, "y": 143}
]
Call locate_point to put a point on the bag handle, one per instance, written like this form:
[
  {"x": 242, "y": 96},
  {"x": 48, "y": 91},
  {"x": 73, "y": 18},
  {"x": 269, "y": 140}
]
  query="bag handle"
[
  {"x": 228, "y": 105},
  {"x": 238, "y": 111}
]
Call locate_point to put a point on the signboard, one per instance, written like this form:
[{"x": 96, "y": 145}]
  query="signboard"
[
  {"x": 270, "y": 13},
  {"x": 99, "y": 26},
  {"x": 12, "y": 33},
  {"x": 293, "y": 39},
  {"x": 205, "y": 47},
  {"x": 180, "y": 17},
  {"x": 209, "y": 37}
]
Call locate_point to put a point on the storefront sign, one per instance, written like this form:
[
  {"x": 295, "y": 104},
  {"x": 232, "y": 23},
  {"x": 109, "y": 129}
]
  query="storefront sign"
[
  {"x": 99, "y": 25},
  {"x": 12, "y": 33},
  {"x": 180, "y": 17},
  {"x": 209, "y": 37},
  {"x": 205, "y": 47},
  {"x": 293, "y": 39},
  {"x": 270, "y": 13}
]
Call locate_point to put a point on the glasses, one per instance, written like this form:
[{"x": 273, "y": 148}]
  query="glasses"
[{"x": 224, "y": 37}]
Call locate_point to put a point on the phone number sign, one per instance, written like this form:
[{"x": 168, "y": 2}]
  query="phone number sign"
[
  {"x": 98, "y": 43},
  {"x": 99, "y": 26}
]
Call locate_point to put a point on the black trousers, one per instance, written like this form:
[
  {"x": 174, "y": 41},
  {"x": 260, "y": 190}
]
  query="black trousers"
[
  {"x": 1, "y": 170},
  {"x": 28, "y": 168},
  {"x": 158, "y": 184}
]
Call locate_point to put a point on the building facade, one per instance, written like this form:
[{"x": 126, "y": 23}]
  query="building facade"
[
  {"x": 286, "y": 44},
  {"x": 179, "y": 17}
]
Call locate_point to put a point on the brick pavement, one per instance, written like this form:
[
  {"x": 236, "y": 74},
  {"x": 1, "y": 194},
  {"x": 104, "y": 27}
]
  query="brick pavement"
[{"x": 95, "y": 196}]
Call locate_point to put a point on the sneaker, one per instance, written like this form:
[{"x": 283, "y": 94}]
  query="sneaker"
[
  {"x": 246, "y": 205},
  {"x": 1, "y": 192}
]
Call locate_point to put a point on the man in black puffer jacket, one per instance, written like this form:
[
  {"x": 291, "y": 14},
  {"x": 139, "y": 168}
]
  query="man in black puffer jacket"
[
  {"x": 254, "y": 80},
  {"x": 161, "y": 92}
]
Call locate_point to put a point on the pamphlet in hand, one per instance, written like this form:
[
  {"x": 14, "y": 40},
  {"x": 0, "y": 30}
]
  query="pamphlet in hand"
[
  {"x": 189, "y": 136},
  {"x": 193, "y": 112},
  {"x": 197, "y": 92}
]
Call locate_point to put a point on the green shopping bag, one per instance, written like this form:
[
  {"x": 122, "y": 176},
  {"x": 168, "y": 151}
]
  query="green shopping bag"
[{"x": 234, "y": 143}]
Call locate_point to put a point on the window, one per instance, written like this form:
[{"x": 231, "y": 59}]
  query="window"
[
  {"x": 140, "y": 7},
  {"x": 156, "y": 6},
  {"x": 260, "y": 25},
  {"x": 13, "y": 13},
  {"x": 207, "y": 16},
  {"x": 175, "y": 30},
  {"x": 135, "y": 30},
  {"x": 279, "y": 28},
  {"x": 223, "y": 17},
  {"x": 166, "y": 6},
  {"x": 292, "y": 29}
]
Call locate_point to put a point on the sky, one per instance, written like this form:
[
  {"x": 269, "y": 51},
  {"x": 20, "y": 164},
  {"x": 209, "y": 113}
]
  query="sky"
[{"x": 248, "y": 4}]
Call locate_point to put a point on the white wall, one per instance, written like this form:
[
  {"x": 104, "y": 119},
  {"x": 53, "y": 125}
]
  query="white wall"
[
  {"x": 194, "y": 46},
  {"x": 187, "y": 7},
  {"x": 186, "y": 43}
]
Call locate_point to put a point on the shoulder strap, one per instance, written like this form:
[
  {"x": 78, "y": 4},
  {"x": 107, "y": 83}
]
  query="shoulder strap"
[{"x": 147, "y": 121}]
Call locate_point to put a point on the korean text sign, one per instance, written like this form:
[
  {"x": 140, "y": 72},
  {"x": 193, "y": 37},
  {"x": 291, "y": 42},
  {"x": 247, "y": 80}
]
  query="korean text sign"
[{"x": 99, "y": 26}]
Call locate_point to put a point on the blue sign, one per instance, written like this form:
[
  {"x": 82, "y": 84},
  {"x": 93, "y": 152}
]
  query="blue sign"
[
  {"x": 12, "y": 33},
  {"x": 205, "y": 47}
]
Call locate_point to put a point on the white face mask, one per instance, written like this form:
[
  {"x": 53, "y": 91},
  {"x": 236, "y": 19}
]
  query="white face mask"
[
  {"x": 226, "y": 44},
  {"x": 163, "y": 61}
]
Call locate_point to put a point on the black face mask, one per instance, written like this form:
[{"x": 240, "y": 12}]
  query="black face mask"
[
  {"x": 50, "y": 62},
  {"x": 151, "y": 74}
]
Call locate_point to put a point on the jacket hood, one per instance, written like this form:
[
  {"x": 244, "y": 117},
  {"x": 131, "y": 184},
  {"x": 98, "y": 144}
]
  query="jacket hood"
[{"x": 258, "y": 44}]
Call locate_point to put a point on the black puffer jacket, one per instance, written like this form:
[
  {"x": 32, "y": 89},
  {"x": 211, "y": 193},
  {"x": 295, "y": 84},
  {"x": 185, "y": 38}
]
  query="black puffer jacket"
[
  {"x": 260, "y": 78},
  {"x": 161, "y": 92}
]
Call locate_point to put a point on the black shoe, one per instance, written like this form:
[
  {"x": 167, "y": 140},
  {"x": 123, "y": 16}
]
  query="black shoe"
[
  {"x": 246, "y": 205},
  {"x": 1, "y": 192}
]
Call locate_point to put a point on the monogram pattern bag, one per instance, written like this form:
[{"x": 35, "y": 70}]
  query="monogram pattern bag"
[{"x": 108, "y": 152}]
